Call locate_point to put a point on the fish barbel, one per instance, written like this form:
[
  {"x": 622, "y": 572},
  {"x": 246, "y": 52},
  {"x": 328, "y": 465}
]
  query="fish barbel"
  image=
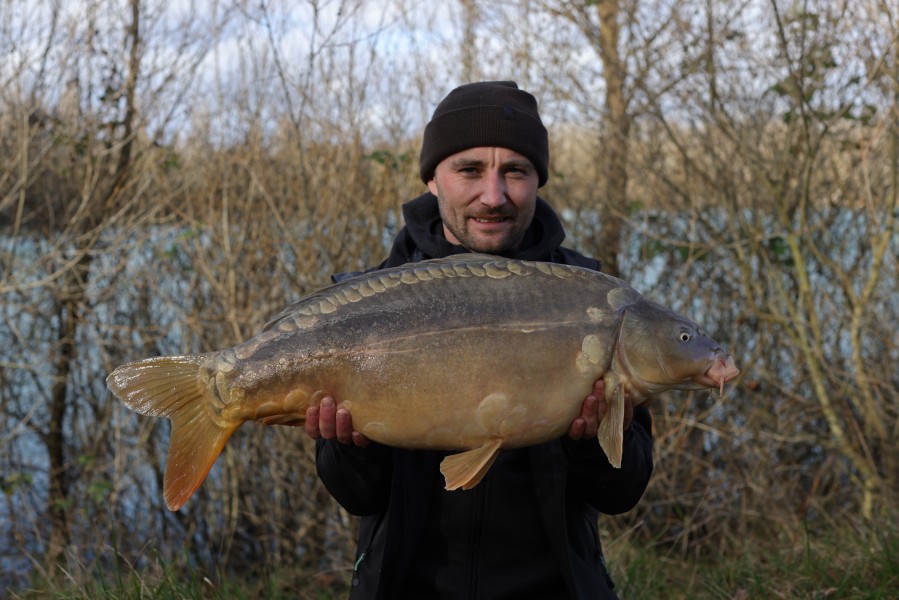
[{"x": 471, "y": 353}]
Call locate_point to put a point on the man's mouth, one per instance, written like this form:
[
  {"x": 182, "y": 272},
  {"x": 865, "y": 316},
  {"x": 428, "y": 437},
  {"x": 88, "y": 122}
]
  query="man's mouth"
[{"x": 490, "y": 219}]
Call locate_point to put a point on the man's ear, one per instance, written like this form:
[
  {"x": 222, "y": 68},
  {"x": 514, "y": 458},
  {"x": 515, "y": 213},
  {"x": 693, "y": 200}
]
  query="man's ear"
[{"x": 432, "y": 185}]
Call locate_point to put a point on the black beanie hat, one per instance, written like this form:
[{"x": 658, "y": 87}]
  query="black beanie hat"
[{"x": 487, "y": 113}]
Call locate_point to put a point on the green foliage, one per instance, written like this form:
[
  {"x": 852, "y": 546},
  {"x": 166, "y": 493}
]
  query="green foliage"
[
  {"x": 834, "y": 564},
  {"x": 780, "y": 250},
  {"x": 10, "y": 482},
  {"x": 393, "y": 161},
  {"x": 98, "y": 491},
  {"x": 181, "y": 580}
]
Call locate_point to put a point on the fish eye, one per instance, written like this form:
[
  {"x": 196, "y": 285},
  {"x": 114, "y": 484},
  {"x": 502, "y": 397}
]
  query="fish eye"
[{"x": 685, "y": 336}]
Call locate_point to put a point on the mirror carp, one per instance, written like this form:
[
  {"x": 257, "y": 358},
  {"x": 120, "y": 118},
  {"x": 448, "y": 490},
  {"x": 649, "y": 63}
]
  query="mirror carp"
[{"x": 471, "y": 353}]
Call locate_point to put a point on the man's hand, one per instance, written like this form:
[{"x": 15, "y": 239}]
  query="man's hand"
[
  {"x": 330, "y": 423},
  {"x": 594, "y": 409}
]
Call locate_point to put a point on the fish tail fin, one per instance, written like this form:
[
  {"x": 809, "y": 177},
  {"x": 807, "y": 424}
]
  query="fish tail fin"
[
  {"x": 611, "y": 428},
  {"x": 171, "y": 387}
]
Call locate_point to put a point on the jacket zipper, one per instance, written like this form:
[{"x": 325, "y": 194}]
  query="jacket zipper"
[
  {"x": 356, "y": 566},
  {"x": 364, "y": 554}
]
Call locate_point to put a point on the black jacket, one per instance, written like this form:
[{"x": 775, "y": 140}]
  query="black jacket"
[{"x": 549, "y": 497}]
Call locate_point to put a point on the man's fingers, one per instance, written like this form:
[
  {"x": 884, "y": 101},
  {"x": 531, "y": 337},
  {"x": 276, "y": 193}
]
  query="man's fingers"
[
  {"x": 327, "y": 421},
  {"x": 585, "y": 425},
  {"x": 311, "y": 424},
  {"x": 576, "y": 431},
  {"x": 344, "y": 428},
  {"x": 330, "y": 422},
  {"x": 590, "y": 416},
  {"x": 602, "y": 407}
]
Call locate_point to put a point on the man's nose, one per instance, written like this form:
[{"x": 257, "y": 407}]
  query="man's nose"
[{"x": 494, "y": 192}]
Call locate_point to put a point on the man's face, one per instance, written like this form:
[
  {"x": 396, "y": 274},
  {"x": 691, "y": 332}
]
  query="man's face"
[{"x": 487, "y": 198}]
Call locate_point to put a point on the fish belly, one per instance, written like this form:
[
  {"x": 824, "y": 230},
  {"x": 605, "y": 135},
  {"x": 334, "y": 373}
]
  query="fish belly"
[{"x": 454, "y": 389}]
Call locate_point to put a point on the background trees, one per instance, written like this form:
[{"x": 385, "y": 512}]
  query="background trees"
[{"x": 171, "y": 177}]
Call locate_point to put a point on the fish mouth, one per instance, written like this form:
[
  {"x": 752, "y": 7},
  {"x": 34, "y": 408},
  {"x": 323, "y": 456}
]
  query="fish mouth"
[{"x": 722, "y": 370}]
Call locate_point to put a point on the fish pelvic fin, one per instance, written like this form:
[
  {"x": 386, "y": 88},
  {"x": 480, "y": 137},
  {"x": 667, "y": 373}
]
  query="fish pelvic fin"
[
  {"x": 611, "y": 429},
  {"x": 466, "y": 469},
  {"x": 171, "y": 387}
]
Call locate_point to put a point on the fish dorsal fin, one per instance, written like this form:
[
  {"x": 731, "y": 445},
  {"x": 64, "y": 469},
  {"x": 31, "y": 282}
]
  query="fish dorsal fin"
[
  {"x": 466, "y": 257},
  {"x": 365, "y": 285},
  {"x": 466, "y": 469},
  {"x": 352, "y": 289}
]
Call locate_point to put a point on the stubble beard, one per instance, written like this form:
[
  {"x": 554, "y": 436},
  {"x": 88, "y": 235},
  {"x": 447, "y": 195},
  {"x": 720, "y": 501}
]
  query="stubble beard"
[{"x": 508, "y": 242}]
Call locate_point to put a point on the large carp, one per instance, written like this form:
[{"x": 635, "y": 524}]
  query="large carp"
[{"x": 472, "y": 353}]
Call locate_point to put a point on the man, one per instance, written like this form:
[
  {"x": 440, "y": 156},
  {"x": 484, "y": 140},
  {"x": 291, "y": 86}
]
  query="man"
[{"x": 529, "y": 529}]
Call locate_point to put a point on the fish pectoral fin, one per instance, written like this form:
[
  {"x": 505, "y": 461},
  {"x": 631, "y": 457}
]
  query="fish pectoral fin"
[
  {"x": 466, "y": 469},
  {"x": 611, "y": 428}
]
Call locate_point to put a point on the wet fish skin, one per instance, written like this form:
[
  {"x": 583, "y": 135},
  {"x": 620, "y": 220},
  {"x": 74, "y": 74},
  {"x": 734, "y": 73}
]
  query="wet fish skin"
[{"x": 473, "y": 353}]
